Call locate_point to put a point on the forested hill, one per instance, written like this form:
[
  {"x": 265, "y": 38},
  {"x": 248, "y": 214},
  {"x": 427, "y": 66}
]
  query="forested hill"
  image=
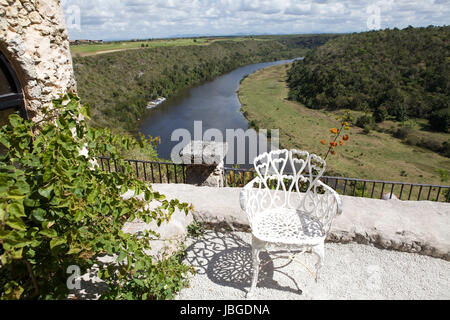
[
  {"x": 398, "y": 73},
  {"x": 118, "y": 85}
]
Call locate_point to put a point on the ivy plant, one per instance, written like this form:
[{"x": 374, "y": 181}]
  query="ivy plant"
[{"x": 59, "y": 209}]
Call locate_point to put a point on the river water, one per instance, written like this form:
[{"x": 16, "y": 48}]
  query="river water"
[{"x": 215, "y": 103}]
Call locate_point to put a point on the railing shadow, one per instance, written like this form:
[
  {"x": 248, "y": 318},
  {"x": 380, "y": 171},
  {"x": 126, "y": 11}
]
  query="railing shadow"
[{"x": 226, "y": 259}]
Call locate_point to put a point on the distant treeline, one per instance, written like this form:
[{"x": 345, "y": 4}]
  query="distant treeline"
[
  {"x": 118, "y": 85},
  {"x": 390, "y": 73}
]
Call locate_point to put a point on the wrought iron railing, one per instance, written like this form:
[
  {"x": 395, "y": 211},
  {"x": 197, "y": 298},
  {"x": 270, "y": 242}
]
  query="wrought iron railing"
[
  {"x": 152, "y": 171},
  {"x": 360, "y": 187},
  {"x": 166, "y": 172}
]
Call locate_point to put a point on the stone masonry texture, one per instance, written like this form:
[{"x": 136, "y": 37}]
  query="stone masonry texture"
[{"x": 34, "y": 38}]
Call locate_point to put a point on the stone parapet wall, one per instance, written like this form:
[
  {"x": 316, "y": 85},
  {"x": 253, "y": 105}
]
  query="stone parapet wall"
[
  {"x": 410, "y": 226},
  {"x": 34, "y": 38}
]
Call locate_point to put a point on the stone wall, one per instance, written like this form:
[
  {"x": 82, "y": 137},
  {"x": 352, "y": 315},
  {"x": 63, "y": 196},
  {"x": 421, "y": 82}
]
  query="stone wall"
[
  {"x": 34, "y": 38},
  {"x": 409, "y": 226}
]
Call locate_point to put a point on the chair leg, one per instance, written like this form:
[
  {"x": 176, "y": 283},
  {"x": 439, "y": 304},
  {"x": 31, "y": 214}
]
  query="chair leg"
[
  {"x": 319, "y": 251},
  {"x": 257, "y": 245}
]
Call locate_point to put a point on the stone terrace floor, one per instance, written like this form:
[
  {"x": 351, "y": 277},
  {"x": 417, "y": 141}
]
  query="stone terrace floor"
[{"x": 351, "y": 271}]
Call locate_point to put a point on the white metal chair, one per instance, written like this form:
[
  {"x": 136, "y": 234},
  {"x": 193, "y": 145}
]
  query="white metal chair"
[{"x": 291, "y": 209}]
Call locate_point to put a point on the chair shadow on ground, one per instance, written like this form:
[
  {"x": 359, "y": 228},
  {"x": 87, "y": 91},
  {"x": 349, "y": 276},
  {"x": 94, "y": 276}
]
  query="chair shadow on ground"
[{"x": 226, "y": 259}]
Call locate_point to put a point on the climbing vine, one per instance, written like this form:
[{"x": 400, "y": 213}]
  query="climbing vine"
[{"x": 59, "y": 209}]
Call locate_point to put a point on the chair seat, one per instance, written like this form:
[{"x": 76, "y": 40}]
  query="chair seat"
[{"x": 287, "y": 226}]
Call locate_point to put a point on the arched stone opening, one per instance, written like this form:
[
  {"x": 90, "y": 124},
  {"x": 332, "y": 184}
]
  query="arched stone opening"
[
  {"x": 11, "y": 95},
  {"x": 35, "y": 42}
]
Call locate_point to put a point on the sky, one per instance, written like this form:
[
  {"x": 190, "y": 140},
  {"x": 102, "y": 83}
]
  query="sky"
[{"x": 143, "y": 19}]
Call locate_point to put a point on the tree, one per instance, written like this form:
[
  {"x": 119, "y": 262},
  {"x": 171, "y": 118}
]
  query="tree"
[
  {"x": 399, "y": 112},
  {"x": 440, "y": 120},
  {"x": 364, "y": 121},
  {"x": 380, "y": 114}
]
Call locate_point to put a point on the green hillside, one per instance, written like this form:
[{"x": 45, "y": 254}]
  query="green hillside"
[
  {"x": 392, "y": 74},
  {"x": 118, "y": 85},
  {"x": 373, "y": 155}
]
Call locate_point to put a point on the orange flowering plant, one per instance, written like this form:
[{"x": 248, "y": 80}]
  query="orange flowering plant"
[{"x": 346, "y": 121}]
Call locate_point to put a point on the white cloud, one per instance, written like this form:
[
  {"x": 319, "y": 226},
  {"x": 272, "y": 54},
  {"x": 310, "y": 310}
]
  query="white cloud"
[{"x": 126, "y": 19}]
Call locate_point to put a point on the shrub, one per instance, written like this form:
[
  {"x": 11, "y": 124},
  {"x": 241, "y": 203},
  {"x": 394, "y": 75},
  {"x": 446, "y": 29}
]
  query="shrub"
[
  {"x": 400, "y": 113},
  {"x": 440, "y": 120},
  {"x": 367, "y": 129},
  {"x": 252, "y": 124},
  {"x": 364, "y": 121},
  {"x": 443, "y": 174},
  {"x": 402, "y": 132},
  {"x": 431, "y": 144},
  {"x": 445, "y": 151},
  {"x": 380, "y": 114},
  {"x": 58, "y": 209},
  {"x": 196, "y": 229},
  {"x": 413, "y": 140}
]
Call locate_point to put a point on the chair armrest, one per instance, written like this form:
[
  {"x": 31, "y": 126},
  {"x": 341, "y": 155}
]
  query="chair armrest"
[
  {"x": 245, "y": 192},
  {"x": 249, "y": 200},
  {"x": 336, "y": 196}
]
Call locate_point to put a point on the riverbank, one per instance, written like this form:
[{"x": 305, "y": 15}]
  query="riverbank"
[
  {"x": 376, "y": 155},
  {"x": 118, "y": 85},
  {"x": 214, "y": 104}
]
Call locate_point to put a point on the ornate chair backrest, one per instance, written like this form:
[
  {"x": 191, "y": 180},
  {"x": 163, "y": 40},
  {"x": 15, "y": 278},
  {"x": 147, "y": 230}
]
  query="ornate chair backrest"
[
  {"x": 270, "y": 168},
  {"x": 307, "y": 170},
  {"x": 289, "y": 179}
]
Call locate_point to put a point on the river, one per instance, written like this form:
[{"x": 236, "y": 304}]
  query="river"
[{"x": 215, "y": 103}]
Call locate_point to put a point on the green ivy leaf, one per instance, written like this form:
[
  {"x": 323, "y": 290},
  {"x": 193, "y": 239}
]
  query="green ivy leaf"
[
  {"x": 16, "y": 209},
  {"x": 45, "y": 192},
  {"x": 15, "y": 120},
  {"x": 85, "y": 110},
  {"x": 74, "y": 250},
  {"x": 79, "y": 215},
  {"x": 139, "y": 282},
  {"x": 39, "y": 214},
  {"x": 2, "y": 214},
  {"x": 12, "y": 291},
  {"x": 17, "y": 254},
  {"x": 121, "y": 256},
  {"x": 15, "y": 194},
  {"x": 16, "y": 223},
  {"x": 49, "y": 233},
  {"x": 57, "y": 242}
]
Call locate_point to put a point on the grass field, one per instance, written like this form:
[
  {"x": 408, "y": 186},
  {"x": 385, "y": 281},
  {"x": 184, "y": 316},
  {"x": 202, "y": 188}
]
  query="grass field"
[
  {"x": 371, "y": 156},
  {"x": 91, "y": 49}
]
